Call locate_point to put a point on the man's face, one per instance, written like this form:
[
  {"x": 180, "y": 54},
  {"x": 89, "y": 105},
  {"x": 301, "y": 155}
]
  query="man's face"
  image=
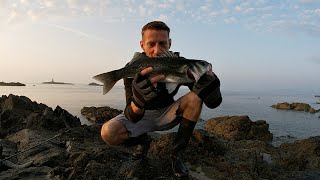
[{"x": 154, "y": 42}]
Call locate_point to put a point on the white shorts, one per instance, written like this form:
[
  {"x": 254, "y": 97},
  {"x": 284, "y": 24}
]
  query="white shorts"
[{"x": 153, "y": 120}]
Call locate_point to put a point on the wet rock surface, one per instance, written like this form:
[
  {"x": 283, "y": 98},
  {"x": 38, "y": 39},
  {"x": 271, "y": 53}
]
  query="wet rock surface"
[{"x": 67, "y": 150}]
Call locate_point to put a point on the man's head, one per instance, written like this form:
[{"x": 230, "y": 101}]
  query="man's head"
[{"x": 155, "y": 38}]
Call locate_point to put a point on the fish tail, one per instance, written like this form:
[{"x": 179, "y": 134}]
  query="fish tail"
[{"x": 109, "y": 79}]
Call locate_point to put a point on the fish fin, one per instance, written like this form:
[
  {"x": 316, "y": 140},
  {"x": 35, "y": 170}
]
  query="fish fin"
[
  {"x": 171, "y": 87},
  {"x": 109, "y": 79}
]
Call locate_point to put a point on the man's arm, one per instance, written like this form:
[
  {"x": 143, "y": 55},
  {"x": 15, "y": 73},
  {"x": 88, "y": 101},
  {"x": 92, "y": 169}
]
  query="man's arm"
[
  {"x": 208, "y": 89},
  {"x": 128, "y": 89},
  {"x": 143, "y": 91},
  {"x": 132, "y": 112}
]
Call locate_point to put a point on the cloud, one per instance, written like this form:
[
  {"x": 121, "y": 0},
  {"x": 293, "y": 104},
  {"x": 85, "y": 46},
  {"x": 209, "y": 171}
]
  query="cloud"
[
  {"x": 309, "y": 1},
  {"x": 77, "y": 32},
  {"x": 230, "y": 20},
  {"x": 163, "y": 17},
  {"x": 261, "y": 14}
]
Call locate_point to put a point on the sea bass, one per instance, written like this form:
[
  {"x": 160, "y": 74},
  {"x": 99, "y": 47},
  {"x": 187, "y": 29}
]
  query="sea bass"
[{"x": 177, "y": 70}]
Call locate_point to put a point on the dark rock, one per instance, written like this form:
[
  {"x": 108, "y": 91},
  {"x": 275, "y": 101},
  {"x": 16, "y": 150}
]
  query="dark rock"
[
  {"x": 301, "y": 155},
  {"x": 238, "y": 128},
  {"x": 79, "y": 153},
  {"x": 14, "y": 110},
  {"x": 36, "y": 173},
  {"x": 99, "y": 114},
  {"x": 52, "y": 120},
  {"x": 19, "y": 112}
]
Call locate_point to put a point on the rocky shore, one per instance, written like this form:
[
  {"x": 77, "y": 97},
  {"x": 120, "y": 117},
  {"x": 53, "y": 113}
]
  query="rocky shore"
[{"x": 38, "y": 142}]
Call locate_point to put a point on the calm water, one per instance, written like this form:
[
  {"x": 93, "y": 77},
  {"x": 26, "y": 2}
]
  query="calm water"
[{"x": 283, "y": 124}]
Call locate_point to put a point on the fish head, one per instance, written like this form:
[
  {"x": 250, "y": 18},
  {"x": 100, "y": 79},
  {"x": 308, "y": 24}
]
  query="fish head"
[{"x": 197, "y": 69}]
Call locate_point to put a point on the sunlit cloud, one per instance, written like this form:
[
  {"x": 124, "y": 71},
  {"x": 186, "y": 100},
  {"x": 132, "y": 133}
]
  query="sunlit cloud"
[
  {"x": 163, "y": 17},
  {"x": 77, "y": 32},
  {"x": 261, "y": 14},
  {"x": 309, "y": 1},
  {"x": 230, "y": 20}
]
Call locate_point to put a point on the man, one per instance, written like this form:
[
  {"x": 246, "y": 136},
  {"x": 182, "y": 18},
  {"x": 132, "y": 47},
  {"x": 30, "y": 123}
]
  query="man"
[{"x": 150, "y": 106}]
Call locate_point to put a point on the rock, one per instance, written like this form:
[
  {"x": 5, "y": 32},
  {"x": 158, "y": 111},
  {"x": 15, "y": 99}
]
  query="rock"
[
  {"x": 284, "y": 105},
  {"x": 295, "y": 107},
  {"x": 8, "y": 148},
  {"x": 300, "y": 155},
  {"x": 79, "y": 153},
  {"x": 238, "y": 128},
  {"x": 52, "y": 119},
  {"x": 26, "y": 173},
  {"x": 19, "y": 112},
  {"x": 99, "y": 114},
  {"x": 14, "y": 110}
]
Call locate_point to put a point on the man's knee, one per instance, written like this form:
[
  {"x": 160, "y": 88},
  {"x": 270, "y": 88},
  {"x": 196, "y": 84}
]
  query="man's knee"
[
  {"x": 190, "y": 106},
  {"x": 192, "y": 99},
  {"x": 111, "y": 132}
]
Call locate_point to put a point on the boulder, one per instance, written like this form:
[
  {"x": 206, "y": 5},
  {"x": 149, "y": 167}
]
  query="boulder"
[
  {"x": 238, "y": 128},
  {"x": 99, "y": 114}
]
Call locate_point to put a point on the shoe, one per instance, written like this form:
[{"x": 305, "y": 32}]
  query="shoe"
[
  {"x": 143, "y": 144},
  {"x": 141, "y": 151},
  {"x": 178, "y": 167}
]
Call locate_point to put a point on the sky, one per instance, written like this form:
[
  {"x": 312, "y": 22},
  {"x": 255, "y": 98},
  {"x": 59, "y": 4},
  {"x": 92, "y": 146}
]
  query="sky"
[{"x": 252, "y": 44}]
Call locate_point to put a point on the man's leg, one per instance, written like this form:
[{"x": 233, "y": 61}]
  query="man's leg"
[
  {"x": 114, "y": 133},
  {"x": 190, "y": 109}
]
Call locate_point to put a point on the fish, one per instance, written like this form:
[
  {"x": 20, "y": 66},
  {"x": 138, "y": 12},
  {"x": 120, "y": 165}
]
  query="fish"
[{"x": 177, "y": 70}]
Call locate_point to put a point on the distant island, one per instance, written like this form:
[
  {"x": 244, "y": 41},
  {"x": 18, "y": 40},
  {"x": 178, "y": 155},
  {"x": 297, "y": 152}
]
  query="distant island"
[
  {"x": 54, "y": 82},
  {"x": 94, "y": 84},
  {"x": 11, "y": 84}
]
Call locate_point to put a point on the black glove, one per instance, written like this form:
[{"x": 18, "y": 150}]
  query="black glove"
[
  {"x": 143, "y": 90},
  {"x": 206, "y": 85}
]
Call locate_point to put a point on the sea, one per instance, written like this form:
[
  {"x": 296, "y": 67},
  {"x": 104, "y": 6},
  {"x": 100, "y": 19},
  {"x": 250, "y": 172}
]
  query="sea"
[{"x": 285, "y": 125}]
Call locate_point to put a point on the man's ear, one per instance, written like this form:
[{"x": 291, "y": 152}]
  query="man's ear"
[
  {"x": 142, "y": 45},
  {"x": 169, "y": 43}
]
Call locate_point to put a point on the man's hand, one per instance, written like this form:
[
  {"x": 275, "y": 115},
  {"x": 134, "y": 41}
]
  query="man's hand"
[
  {"x": 143, "y": 87},
  {"x": 203, "y": 86}
]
